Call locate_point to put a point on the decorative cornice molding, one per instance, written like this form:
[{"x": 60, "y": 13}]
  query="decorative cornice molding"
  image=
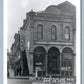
[{"x": 55, "y": 43}]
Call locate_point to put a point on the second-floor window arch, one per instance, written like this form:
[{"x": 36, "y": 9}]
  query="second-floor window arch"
[
  {"x": 67, "y": 33},
  {"x": 53, "y": 32},
  {"x": 39, "y": 31}
]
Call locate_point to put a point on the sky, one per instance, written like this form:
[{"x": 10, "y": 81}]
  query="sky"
[{"x": 16, "y": 13}]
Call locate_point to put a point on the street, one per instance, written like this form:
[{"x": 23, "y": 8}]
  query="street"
[
  {"x": 26, "y": 81},
  {"x": 19, "y": 81}
]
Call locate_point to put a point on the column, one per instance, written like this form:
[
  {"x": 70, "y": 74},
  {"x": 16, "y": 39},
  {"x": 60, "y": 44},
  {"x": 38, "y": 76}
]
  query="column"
[
  {"x": 74, "y": 65},
  {"x": 46, "y": 63},
  {"x": 60, "y": 63},
  {"x": 30, "y": 63}
]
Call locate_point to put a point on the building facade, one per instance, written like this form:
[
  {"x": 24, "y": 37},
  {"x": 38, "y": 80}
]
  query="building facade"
[{"x": 48, "y": 41}]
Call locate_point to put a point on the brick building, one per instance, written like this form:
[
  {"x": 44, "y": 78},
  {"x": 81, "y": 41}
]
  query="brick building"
[{"x": 48, "y": 41}]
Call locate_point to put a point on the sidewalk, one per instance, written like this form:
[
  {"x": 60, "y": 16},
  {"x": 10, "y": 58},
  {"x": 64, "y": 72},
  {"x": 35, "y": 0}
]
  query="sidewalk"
[{"x": 26, "y": 77}]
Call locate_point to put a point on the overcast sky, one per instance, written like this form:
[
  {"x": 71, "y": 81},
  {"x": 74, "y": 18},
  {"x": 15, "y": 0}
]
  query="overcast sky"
[{"x": 17, "y": 10}]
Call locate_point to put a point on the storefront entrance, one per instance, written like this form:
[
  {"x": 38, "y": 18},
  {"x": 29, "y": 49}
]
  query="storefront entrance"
[
  {"x": 54, "y": 61},
  {"x": 67, "y": 62},
  {"x": 39, "y": 60}
]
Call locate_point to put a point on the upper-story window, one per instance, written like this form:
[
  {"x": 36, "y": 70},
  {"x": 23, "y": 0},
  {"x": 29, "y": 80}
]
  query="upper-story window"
[
  {"x": 40, "y": 31},
  {"x": 53, "y": 32},
  {"x": 67, "y": 33}
]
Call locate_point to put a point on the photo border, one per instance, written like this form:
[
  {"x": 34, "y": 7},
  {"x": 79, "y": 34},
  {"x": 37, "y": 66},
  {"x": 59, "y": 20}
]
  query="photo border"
[
  {"x": 1, "y": 45},
  {"x": 82, "y": 41},
  {"x": 1, "y": 41}
]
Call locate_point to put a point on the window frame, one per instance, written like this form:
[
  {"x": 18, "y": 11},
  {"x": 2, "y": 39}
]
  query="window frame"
[
  {"x": 53, "y": 27},
  {"x": 39, "y": 32},
  {"x": 67, "y": 32}
]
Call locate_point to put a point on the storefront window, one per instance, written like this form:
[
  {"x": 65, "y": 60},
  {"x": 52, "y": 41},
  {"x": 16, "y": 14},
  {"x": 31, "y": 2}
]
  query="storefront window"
[{"x": 67, "y": 61}]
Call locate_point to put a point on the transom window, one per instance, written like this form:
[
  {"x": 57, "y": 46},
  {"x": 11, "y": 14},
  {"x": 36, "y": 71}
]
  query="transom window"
[
  {"x": 39, "y": 31},
  {"x": 67, "y": 33},
  {"x": 53, "y": 32}
]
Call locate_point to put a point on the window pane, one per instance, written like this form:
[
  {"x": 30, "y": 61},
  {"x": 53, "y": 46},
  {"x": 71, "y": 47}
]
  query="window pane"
[
  {"x": 53, "y": 32},
  {"x": 67, "y": 30},
  {"x": 39, "y": 29},
  {"x": 66, "y": 36},
  {"x": 67, "y": 33},
  {"x": 39, "y": 36},
  {"x": 40, "y": 32}
]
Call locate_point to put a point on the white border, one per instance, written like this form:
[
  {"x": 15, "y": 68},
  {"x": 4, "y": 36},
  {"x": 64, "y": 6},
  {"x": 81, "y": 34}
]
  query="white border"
[
  {"x": 78, "y": 44},
  {"x": 5, "y": 42}
]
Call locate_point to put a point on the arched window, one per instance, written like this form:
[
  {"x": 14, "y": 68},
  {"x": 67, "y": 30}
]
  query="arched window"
[
  {"x": 39, "y": 31},
  {"x": 67, "y": 61},
  {"x": 53, "y": 32},
  {"x": 39, "y": 58},
  {"x": 67, "y": 33},
  {"x": 53, "y": 60}
]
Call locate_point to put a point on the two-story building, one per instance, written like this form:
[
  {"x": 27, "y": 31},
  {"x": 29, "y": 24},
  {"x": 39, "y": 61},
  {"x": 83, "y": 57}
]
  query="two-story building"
[{"x": 48, "y": 41}]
